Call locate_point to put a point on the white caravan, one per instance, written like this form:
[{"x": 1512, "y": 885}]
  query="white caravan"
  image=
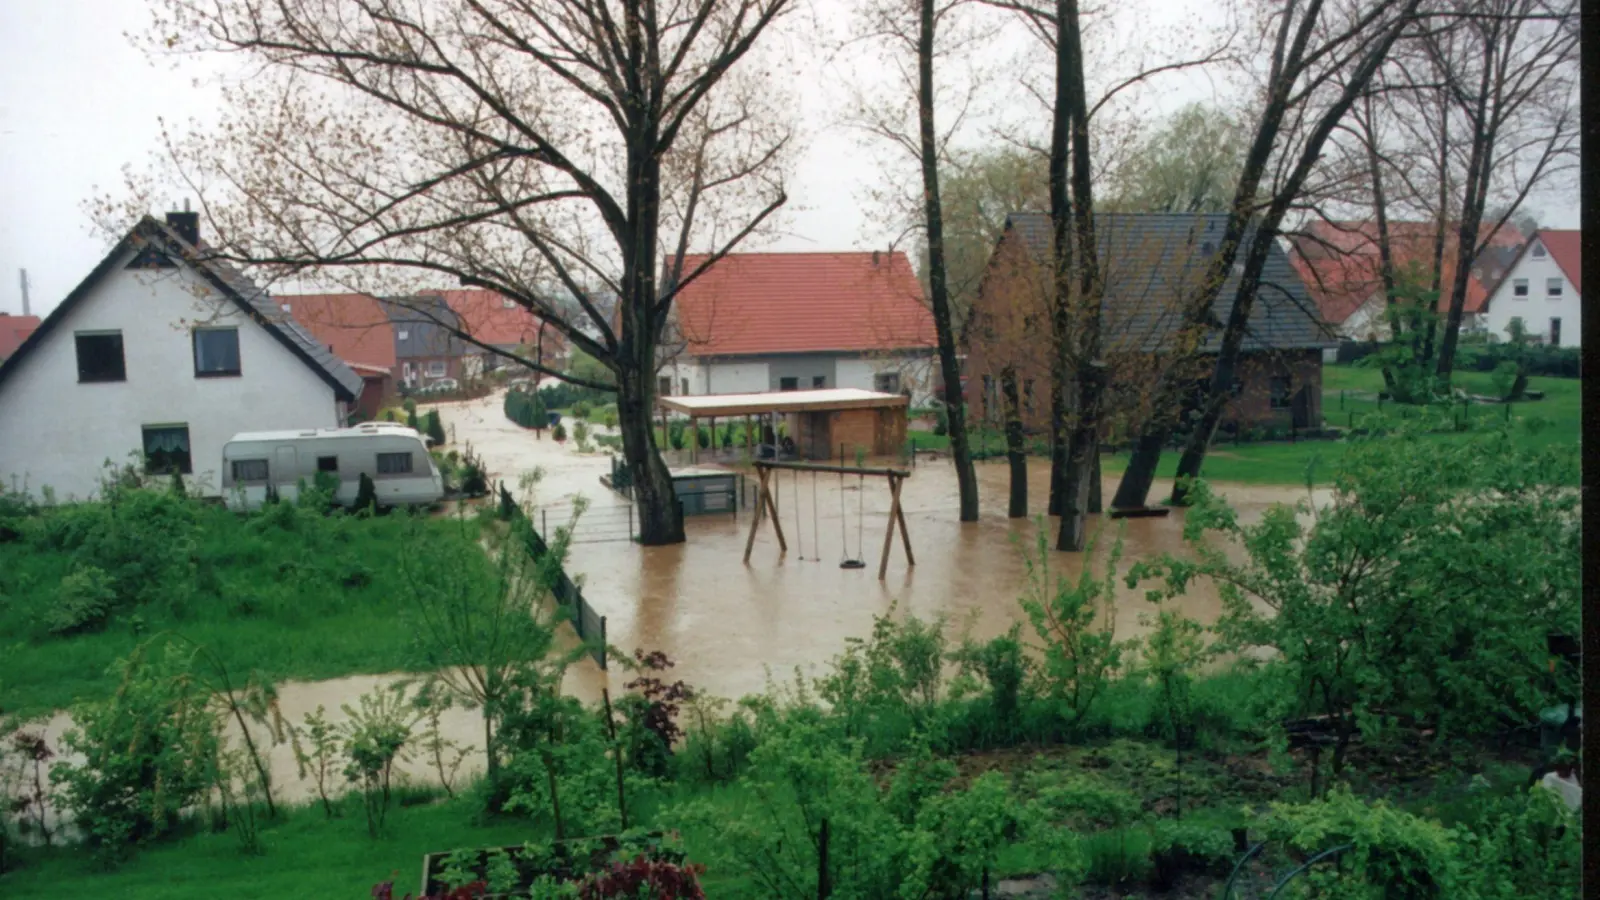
[{"x": 393, "y": 456}]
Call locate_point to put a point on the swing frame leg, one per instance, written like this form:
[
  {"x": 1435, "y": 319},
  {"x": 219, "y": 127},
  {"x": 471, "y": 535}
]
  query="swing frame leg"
[
  {"x": 765, "y": 503},
  {"x": 897, "y": 519}
]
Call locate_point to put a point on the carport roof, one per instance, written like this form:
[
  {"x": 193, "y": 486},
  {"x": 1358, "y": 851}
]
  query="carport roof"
[{"x": 826, "y": 400}]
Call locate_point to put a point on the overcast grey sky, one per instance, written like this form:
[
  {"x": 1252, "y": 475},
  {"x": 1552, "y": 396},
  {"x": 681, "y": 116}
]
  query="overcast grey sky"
[{"x": 78, "y": 103}]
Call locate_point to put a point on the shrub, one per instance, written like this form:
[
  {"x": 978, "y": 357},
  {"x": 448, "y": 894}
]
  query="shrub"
[
  {"x": 651, "y": 714},
  {"x": 435, "y": 428},
  {"x": 580, "y": 433},
  {"x": 581, "y": 409},
  {"x": 1076, "y": 628},
  {"x": 411, "y": 416},
  {"x": 474, "y": 476},
  {"x": 559, "y": 432},
  {"x": 1392, "y": 851},
  {"x": 377, "y": 729},
  {"x": 366, "y": 494},
  {"x": 84, "y": 600},
  {"x": 148, "y": 752}
]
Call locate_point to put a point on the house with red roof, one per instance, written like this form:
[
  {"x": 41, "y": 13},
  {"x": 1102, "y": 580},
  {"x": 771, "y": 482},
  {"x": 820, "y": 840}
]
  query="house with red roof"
[
  {"x": 1544, "y": 289},
  {"x": 504, "y": 324},
  {"x": 1340, "y": 265},
  {"x": 13, "y": 331},
  {"x": 355, "y": 328},
  {"x": 757, "y": 322}
]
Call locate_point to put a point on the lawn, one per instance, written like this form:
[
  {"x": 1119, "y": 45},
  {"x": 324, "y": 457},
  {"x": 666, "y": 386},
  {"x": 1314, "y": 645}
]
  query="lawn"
[
  {"x": 1349, "y": 398},
  {"x": 289, "y": 593}
]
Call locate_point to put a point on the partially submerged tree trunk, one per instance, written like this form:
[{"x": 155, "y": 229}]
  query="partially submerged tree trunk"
[
  {"x": 1058, "y": 433},
  {"x": 938, "y": 286},
  {"x": 1016, "y": 451}
]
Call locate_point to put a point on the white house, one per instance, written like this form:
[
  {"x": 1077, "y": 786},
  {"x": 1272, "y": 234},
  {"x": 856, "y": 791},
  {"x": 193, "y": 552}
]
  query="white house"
[
  {"x": 163, "y": 352},
  {"x": 759, "y": 322},
  {"x": 1543, "y": 289}
]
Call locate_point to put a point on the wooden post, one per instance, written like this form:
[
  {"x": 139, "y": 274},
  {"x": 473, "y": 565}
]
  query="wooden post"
[
  {"x": 900, "y": 517},
  {"x": 764, "y": 504},
  {"x": 895, "y": 519}
]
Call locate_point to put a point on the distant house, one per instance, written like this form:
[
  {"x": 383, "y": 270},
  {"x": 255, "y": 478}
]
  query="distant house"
[
  {"x": 506, "y": 325},
  {"x": 1339, "y": 262},
  {"x": 355, "y": 328},
  {"x": 165, "y": 352},
  {"x": 13, "y": 331},
  {"x": 425, "y": 341},
  {"x": 1149, "y": 264},
  {"x": 757, "y": 322},
  {"x": 1544, "y": 289}
]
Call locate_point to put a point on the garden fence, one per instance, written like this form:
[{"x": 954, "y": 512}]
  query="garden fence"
[{"x": 590, "y": 625}]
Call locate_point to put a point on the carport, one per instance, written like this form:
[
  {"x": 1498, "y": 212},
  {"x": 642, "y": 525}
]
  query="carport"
[{"x": 822, "y": 423}]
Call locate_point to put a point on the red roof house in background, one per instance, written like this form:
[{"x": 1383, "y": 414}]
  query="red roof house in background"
[
  {"x": 504, "y": 324},
  {"x": 1339, "y": 263},
  {"x": 355, "y": 328},
  {"x": 13, "y": 331},
  {"x": 757, "y": 322},
  {"x": 1544, "y": 289}
]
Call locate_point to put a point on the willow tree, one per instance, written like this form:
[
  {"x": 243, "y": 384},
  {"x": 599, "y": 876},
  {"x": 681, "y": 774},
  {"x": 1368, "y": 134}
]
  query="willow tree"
[{"x": 389, "y": 145}]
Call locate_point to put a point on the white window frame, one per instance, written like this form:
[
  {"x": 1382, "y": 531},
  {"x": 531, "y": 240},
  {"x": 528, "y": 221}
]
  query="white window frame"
[
  {"x": 437, "y": 368},
  {"x": 878, "y": 376},
  {"x": 402, "y": 334},
  {"x": 1520, "y": 288},
  {"x": 1554, "y": 288}
]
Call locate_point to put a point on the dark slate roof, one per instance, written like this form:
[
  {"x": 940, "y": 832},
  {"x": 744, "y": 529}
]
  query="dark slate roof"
[
  {"x": 152, "y": 234},
  {"x": 427, "y": 321},
  {"x": 1151, "y": 260}
]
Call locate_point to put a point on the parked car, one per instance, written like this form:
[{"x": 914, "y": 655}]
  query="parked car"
[{"x": 392, "y": 455}]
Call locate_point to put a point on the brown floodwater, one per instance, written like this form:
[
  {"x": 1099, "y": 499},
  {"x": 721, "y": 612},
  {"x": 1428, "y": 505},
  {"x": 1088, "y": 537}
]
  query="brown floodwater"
[{"x": 728, "y": 624}]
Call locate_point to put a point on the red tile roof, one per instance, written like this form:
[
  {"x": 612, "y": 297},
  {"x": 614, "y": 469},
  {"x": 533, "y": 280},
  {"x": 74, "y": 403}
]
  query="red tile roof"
[
  {"x": 13, "y": 331},
  {"x": 354, "y": 326},
  {"x": 1566, "y": 248},
  {"x": 1339, "y": 263},
  {"x": 485, "y": 316},
  {"x": 755, "y": 303}
]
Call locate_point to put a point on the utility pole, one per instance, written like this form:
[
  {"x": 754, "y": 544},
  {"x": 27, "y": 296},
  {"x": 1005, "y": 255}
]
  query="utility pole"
[{"x": 24, "y": 277}]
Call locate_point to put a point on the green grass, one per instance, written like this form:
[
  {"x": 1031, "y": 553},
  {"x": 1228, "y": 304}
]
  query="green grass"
[
  {"x": 293, "y": 596},
  {"x": 1349, "y": 396}
]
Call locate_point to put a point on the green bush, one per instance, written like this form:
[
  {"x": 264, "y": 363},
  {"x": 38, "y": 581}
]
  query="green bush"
[
  {"x": 435, "y": 428},
  {"x": 148, "y": 752},
  {"x": 581, "y": 409},
  {"x": 366, "y": 495},
  {"x": 526, "y": 408},
  {"x": 85, "y": 599},
  {"x": 559, "y": 432}
]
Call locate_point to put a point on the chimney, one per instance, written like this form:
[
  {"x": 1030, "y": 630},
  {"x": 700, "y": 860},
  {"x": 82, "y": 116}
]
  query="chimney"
[
  {"x": 186, "y": 224},
  {"x": 25, "y": 310},
  {"x": 874, "y": 259}
]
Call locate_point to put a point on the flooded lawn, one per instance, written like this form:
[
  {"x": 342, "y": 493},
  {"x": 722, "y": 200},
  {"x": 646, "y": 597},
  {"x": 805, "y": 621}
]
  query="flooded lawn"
[{"x": 728, "y": 624}]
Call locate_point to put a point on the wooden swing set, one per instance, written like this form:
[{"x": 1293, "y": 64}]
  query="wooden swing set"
[{"x": 767, "y": 505}]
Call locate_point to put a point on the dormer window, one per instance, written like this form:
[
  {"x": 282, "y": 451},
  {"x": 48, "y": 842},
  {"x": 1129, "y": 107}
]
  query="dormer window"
[{"x": 1538, "y": 250}]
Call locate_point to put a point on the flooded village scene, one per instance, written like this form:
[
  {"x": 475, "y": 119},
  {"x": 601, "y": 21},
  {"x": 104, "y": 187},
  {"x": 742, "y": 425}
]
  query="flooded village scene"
[{"x": 749, "y": 449}]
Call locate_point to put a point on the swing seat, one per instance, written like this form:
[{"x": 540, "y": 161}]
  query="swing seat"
[{"x": 853, "y": 564}]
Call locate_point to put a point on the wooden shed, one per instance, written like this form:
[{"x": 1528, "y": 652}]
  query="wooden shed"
[{"x": 823, "y": 423}]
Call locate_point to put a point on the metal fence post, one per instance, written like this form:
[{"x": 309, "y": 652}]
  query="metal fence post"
[
  {"x": 630, "y": 521},
  {"x": 544, "y": 520},
  {"x": 602, "y": 643}
]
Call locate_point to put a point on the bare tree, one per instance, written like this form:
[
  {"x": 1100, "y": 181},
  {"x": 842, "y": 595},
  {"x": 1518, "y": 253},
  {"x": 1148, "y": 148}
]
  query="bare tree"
[{"x": 502, "y": 144}]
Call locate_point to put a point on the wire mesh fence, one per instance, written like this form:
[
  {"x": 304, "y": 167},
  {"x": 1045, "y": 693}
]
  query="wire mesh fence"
[{"x": 590, "y": 625}]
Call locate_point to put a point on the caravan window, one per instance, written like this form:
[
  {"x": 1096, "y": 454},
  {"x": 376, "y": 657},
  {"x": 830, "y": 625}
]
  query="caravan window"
[
  {"x": 394, "y": 463},
  {"x": 327, "y": 464},
  {"x": 249, "y": 470}
]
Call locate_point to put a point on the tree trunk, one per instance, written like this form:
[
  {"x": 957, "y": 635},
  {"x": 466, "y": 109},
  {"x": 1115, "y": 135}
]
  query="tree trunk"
[
  {"x": 1133, "y": 491},
  {"x": 1096, "y": 488},
  {"x": 938, "y": 288},
  {"x": 660, "y": 519},
  {"x": 1015, "y": 452},
  {"x": 1058, "y": 443}
]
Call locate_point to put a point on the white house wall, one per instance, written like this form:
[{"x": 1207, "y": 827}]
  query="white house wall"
[
  {"x": 916, "y": 374},
  {"x": 57, "y": 432},
  {"x": 1537, "y": 309},
  {"x": 732, "y": 378}
]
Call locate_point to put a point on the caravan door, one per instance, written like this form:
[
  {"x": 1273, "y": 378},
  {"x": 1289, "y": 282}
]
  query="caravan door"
[{"x": 286, "y": 473}]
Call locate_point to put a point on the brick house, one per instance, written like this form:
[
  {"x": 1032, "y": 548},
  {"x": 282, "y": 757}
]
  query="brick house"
[
  {"x": 1150, "y": 262},
  {"x": 355, "y": 328}
]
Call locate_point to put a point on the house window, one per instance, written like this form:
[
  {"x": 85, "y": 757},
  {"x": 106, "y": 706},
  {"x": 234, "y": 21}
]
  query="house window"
[
  {"x": 886, "y": 382},
  {"x": 1278, "y": 392},
  {"x": 788, "y": 384},
  {"x": 100, "y": 356},
  {"x": 1519, "y": 288},
  {"x": 327, "y": 464},
  {"x": 402, "y": 334},
  {"x": 1538, "y": 251},
  {"x": 1555, "y": 332},
  {"x": 394, "y": 463},
  {"x": 819, "y": 381},
  {"x": 1552, "y": 288},
  {"x": 437, "y": 368},
  {"x": 216, "y": 352},
  {"x": 166, "y": 449},
  {"x": 684, "y": 383},
  {"x": 246, "y": 470},
  {"x": 664, "y": 386}
]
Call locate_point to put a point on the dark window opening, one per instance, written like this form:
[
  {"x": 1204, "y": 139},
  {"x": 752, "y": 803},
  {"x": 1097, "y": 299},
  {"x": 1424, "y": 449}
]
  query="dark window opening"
[
  {"x": 1555, "y": 332},
  {"x": 664, "y": 386},
  {"x": 327, "y": 464},
  {"x": 886, "y": 382},
  {"x": 249, "y": 470},
  {"x": 1278, "y": 393},
  {"x": 683, "y": 383},
  {"x": 166, "y": 449},
  {"x": 819, "y": 381},
  {"x": 100, "y": 357},
  {"x": 788, "y": 384},
  {"x": 216, "y": 352},
  {"x": 394, "y": 463}
]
